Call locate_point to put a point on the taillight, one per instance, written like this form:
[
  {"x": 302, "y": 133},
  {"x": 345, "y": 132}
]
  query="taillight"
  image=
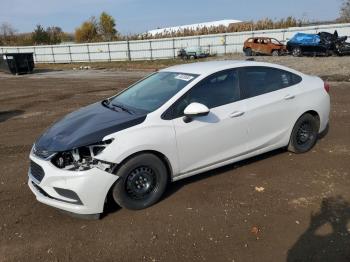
[{"x": 327, "y": 87}]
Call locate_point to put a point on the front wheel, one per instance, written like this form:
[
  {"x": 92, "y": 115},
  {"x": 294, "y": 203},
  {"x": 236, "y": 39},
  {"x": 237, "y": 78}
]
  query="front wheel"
[
  {"x": 142, "y": 181},
  {"x": 248, "y": 52},
  {"x": 304, "y": 134}
]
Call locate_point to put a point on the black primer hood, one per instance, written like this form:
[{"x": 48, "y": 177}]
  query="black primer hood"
[{"x": 86, "y": 126}]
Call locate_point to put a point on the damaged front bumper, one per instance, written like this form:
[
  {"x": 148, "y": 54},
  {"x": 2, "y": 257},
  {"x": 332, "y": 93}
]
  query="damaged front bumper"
[{"x": 79, "y": 192}]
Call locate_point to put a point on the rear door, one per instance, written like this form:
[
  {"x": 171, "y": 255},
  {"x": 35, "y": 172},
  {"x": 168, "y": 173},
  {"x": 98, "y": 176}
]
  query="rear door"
[
  {"x": 271, "y": 96},
  {"x": 266, "y": 46},
  {"x": 217, "y": 137}
]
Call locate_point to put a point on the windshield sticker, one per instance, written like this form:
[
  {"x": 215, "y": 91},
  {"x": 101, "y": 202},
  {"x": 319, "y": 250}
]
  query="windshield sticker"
[{"x": 184, "y": 77}]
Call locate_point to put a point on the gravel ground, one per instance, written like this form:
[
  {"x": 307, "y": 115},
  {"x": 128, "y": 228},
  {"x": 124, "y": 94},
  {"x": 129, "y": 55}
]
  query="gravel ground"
[{"x": 275, "y": 207}]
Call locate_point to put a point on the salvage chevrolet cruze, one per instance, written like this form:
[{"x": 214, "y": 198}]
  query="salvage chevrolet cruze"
[{"x": 173, "y": 124}]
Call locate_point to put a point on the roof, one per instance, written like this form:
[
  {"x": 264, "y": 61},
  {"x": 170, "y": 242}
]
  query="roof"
[
  {"x": 203, "y": 67},
  {"x": 194, "y": 26},
  {"x": 261, "y": 37},
  {"x": 209, "y": 67}
]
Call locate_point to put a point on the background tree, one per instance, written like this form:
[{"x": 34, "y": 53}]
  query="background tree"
[
  {"x": 40, "y": 36},
  {"x": 55, "y": 34},
  {"x": 7, "y": 34},
  {"x": 345, "y": 11},
  {"x": 87, "y": 32},
  {"x": 107, "y": 27}
]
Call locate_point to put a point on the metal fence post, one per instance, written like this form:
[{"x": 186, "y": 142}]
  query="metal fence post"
[
  {"x": 53, "y": 54},
  {"x": 128, "y": 49},
  {"x": 225, "y": 44},
  {"x": 174, "y": 48},
  {"x": 35, "y": 58},
  {"x": 150, "y": 49},
  {"x": 70, "y": 54},
  {"x": 109, "y": 53},
  {"x": 88, "y": 51}
]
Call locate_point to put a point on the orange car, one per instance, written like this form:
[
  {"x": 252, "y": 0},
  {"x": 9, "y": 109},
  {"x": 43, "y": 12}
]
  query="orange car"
[{"x": 263, "y": 45}]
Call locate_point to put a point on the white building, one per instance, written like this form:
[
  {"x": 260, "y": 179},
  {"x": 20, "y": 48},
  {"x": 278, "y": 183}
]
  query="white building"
[{"x": 225, "y": 23}]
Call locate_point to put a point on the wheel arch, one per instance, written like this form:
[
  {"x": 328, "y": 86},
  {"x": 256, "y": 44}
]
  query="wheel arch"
[
  {"x": 312, "y": 112},
  {"x": 315, "y": 114},
  {"x": 160, "y": 155}
]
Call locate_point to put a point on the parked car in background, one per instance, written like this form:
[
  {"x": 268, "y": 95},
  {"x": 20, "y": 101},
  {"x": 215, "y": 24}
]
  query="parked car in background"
[
  {"x": 193, "y": 52},
  {"x": 263, "y": 45},
  {"x": 321, "y": 44},
  {"x": 175, "y": 123}
]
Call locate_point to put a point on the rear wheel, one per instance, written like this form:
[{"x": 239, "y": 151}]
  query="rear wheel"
[
  {"x": 142, "y": 181},
  {"x": 296, "y": 51},
  {"x": 275, "y": 53},
  {"x": 304, "y": 134}
]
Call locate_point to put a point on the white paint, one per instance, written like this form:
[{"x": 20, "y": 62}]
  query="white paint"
[
  {"x": 227, "y": 134},
  {"x": 181, "y": 28}
]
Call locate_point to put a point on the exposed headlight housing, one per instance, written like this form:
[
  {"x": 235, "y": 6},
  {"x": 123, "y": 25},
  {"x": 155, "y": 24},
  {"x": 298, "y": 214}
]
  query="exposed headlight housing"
[{"x": 83, "y": 158}]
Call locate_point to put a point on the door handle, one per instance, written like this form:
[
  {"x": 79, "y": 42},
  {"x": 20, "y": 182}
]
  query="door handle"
[
  {"x": 236, "y": 114},
  {"x": 289, "y": 97}
]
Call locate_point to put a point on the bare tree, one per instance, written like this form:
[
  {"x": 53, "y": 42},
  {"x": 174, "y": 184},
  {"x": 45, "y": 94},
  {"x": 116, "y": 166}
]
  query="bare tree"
[
  {"x": 345, "y": 11},
  {"x": 7, "y": 33}
]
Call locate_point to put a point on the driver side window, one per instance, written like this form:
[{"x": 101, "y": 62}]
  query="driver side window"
[{"x": 216, "y": 90}]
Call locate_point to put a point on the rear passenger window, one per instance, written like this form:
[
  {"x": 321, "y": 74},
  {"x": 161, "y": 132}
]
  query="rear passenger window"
[{"x": 258, "y": 80}]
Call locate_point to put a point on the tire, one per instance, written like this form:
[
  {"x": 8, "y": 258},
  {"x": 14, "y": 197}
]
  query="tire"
[
  {"x": 142, "y": 181},
  {"x": 192, "y": 57},
  {"x": 248, "y": 52},
  {"x": 275, "y": 53},
  {"x": 304, "y": 134},
  {"x": 296, "y": 52}
]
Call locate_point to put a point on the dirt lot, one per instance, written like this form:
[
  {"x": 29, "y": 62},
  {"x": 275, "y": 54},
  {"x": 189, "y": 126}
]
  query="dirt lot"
[{"x": 303, "y": 213}]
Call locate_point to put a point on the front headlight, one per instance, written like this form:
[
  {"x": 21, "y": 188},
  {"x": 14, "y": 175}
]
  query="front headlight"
[{"x": 82, "y": 158}]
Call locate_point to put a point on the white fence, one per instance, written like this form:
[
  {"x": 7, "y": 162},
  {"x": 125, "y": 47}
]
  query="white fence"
[{"x": 160, "y": 48}]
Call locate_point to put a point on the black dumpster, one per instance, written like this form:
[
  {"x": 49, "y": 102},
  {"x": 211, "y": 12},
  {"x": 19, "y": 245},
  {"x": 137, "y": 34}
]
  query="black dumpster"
[{"x": 17, "y": 63}]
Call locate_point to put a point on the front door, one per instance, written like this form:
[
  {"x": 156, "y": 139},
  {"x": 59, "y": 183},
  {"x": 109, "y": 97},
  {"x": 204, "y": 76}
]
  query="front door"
[{"x": 217, "y": 137}]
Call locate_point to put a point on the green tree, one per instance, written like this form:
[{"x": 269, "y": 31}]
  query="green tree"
[
  {"x": 87, "y": 32},
  {"x": 40, "y": 36},
  {"x": 107, "y": 27},
  {"x": 345, "y": 11}
]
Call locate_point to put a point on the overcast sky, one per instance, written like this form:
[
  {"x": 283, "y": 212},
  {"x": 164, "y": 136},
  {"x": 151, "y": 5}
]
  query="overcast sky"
[{"x": 135, "y": 16}]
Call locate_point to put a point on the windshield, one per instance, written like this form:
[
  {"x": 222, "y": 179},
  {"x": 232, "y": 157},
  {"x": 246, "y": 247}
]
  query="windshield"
[{"x": 152, "y": 92}]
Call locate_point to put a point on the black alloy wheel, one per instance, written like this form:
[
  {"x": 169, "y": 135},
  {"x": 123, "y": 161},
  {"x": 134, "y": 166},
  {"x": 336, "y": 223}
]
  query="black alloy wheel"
[{"x": 304, "y": 135}]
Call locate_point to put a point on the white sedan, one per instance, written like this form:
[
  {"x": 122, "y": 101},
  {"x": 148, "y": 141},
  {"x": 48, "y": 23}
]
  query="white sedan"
[{"x": 175, "y": 123}]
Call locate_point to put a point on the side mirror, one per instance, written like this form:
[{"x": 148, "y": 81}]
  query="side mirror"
[{"x": 195, "y": 109}]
